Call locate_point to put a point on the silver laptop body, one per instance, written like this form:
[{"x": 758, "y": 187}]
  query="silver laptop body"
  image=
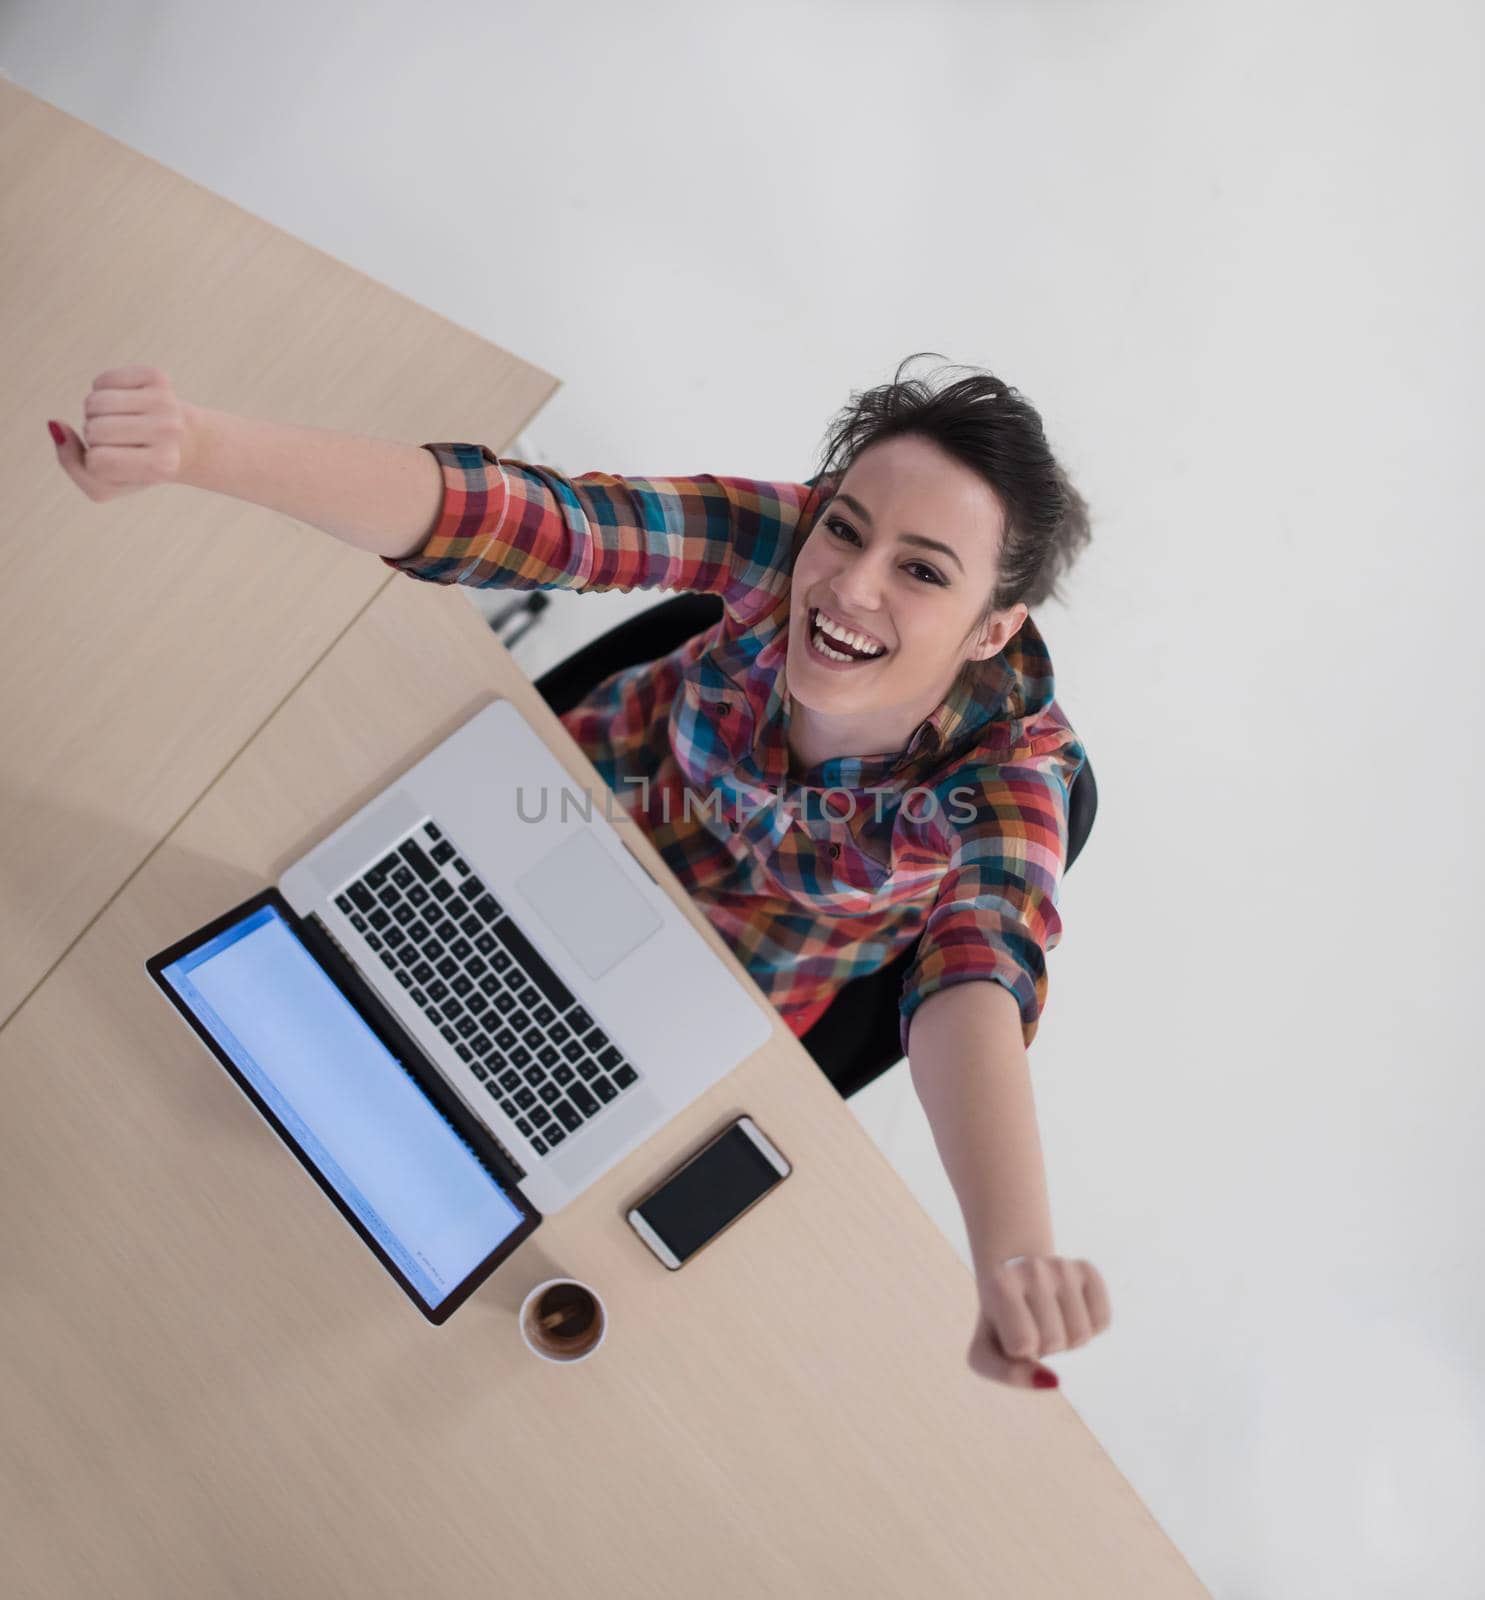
[{"x": 553, "y": 866}]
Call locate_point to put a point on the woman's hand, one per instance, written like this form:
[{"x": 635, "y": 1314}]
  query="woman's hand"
[
  {"x": 1035, "y": 1306},
  {"x": 135, "y": 433}
]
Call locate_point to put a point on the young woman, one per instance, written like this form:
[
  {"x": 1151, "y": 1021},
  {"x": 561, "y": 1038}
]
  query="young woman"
[{"x": 863, "y": 752}]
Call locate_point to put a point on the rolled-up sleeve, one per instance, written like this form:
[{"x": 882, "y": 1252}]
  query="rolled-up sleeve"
[
  {"x": 511, "y": 524},
  {"x": 995, "y": 913}
]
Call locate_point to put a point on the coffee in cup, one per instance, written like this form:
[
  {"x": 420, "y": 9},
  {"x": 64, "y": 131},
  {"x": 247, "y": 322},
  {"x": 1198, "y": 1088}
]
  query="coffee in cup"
[{"x": 563, "y": 1320}]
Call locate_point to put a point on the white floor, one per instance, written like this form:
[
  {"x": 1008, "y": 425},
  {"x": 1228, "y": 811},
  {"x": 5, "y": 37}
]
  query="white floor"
[{"x": 887, "y": 1109}]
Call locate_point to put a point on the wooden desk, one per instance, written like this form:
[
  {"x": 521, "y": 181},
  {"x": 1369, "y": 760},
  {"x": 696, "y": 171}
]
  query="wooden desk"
[
  {"x": 143, "y": 641},
  {"x": 209, "y": 1385}
]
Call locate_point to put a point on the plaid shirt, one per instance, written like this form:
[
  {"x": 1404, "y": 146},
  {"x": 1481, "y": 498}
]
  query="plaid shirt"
[{"x": 811, "y": 883}]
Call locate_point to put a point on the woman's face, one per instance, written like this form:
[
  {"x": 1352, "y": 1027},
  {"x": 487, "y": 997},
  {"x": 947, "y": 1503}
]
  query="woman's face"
[{"x": 905, "y": 553}]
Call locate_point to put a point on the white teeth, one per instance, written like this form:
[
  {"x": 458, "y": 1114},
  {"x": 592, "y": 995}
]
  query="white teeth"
[
  {"x": 825, "y": 650},
  {"x": 845, "y": 635}
]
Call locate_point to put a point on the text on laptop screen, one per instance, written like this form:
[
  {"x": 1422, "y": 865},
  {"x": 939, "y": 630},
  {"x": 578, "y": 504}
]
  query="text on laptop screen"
[{"x": 359, "y": 1117}]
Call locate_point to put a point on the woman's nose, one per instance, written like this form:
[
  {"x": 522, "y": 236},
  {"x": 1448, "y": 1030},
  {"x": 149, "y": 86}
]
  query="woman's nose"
[{"x": 860, "y": 590}]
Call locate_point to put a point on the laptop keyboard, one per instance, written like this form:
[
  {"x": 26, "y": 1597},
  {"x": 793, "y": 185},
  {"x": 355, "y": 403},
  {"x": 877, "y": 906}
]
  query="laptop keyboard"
[{"x": 486, "y": 988}]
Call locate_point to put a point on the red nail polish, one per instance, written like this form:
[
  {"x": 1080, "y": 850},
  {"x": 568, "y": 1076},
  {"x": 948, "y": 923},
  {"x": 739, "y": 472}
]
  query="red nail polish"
[
  {"x": 1045, "y": 1379},
  {"x": 57, "y": 435}
]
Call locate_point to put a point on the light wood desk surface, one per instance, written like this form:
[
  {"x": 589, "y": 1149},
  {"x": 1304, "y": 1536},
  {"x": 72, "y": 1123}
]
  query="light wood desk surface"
[
  {"x": 144, "y": 640},
  {"x": 210, "y": 1386}
]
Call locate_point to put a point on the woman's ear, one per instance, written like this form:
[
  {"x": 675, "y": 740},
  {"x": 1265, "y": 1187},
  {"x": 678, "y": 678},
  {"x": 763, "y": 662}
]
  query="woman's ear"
[{"x": 998, "y": 631}]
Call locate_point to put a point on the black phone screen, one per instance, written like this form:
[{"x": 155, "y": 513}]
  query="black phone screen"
[{"x": 699, "y": 1200}]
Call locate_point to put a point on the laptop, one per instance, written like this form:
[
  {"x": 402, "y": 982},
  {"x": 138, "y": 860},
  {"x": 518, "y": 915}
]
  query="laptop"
[{"x": 464, "y": 1005}]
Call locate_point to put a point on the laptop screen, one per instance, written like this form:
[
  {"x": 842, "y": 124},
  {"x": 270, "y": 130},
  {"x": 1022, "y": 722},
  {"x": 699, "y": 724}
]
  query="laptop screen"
[{"x": 362, "y": 1121}]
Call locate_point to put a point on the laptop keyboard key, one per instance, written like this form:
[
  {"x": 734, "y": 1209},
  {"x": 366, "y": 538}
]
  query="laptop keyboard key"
[
  {"x": 538, "y": 1144},
  {"x": 419, "y": 862},
  {"x": 609, "y": 1058},
  {"x": 625, "y": 1076},
  {"x": 604, "y": 1089},
  {"x": 582, "y": 1099},
  {"x": 535, "y": 966},
  {"x": 569, "y": 1118}
]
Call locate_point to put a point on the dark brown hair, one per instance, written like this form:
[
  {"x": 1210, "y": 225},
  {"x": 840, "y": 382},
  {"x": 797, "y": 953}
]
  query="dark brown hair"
[{"x": 996, "y": 432}]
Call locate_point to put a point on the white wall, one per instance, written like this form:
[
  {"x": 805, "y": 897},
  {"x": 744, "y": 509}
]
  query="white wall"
[{"x": 1233, "y": 254}]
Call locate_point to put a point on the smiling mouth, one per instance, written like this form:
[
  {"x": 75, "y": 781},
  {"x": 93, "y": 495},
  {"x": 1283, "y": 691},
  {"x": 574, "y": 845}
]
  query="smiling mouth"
[{"x": 822, "y": 642}]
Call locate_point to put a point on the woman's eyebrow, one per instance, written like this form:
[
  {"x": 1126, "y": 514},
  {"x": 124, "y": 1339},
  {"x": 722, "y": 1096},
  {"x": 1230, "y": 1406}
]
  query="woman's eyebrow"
[{"x": 907, "y": 538}]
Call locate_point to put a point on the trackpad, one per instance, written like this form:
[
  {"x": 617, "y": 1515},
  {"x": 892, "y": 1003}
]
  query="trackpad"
[{"x": 585, "y": 899}]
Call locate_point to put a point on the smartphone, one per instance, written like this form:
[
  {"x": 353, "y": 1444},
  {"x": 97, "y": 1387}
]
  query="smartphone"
[{"x": 708, "y": 1192}]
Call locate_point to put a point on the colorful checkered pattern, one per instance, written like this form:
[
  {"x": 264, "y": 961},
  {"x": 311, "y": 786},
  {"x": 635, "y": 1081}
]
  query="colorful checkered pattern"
[{"x": 958, "y": 841}]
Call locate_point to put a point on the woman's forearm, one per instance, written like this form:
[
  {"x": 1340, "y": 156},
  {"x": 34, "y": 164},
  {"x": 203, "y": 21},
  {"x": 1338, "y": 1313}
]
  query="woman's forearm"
[
  {"x": 375, "y": 494},
  {"x": 969, "y": 1067}
]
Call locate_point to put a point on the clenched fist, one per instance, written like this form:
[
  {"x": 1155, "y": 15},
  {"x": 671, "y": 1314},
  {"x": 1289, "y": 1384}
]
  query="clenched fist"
[
  {"x": 1034, "y": 1306},
  {"x": 136, "y": 432}
]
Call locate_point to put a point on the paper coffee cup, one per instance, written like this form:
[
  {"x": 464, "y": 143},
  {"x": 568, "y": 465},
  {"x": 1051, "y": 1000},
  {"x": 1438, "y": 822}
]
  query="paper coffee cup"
[{"x": 567, "y": 1324}]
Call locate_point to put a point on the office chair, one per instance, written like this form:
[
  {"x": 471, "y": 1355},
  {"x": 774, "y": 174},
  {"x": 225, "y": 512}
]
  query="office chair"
[{"x": 857, "y": 1037}]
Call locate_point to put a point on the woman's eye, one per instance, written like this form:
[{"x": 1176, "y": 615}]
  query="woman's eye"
[{"x": 834, "y": 524}]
